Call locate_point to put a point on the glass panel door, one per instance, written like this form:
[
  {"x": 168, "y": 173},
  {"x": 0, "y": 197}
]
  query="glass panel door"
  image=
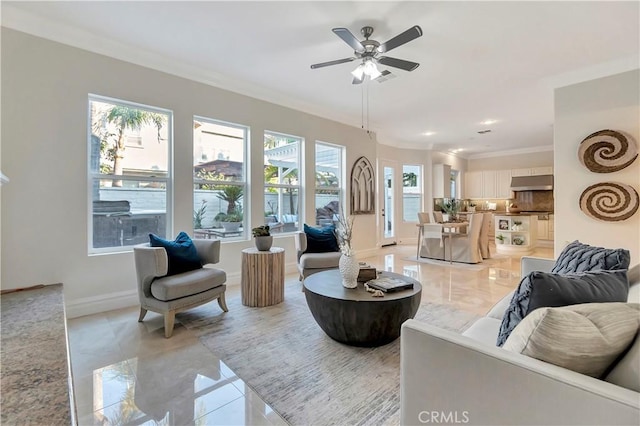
[{"x": 388, "y": 204}]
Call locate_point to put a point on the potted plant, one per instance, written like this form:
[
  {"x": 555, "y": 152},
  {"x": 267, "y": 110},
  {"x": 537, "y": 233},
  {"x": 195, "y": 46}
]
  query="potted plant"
[
  {"x": 450, "y": 208},
  {"x": 218, "y": 219},
  {"x": 198, "y": 215},
  {"x": 232, "y": 221},
  {"x": 517, "y": 225},
  {"x": 471, "y": 208},
  {"x": 500, "y": 239},
  {"x": 263, "y": 238}
]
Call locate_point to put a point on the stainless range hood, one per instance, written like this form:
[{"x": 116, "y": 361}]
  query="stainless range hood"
[{"x": 532, "y": 183}]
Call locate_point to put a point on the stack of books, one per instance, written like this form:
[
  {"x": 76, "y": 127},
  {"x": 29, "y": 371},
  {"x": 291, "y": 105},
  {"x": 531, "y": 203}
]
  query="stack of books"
[{"x": 388, "y": 284}]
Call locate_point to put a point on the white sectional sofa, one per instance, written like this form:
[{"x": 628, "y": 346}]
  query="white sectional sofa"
[{"x": 450, "y": 378}]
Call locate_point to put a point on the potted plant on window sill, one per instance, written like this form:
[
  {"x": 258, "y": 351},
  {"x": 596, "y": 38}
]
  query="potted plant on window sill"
[{"x": 263, "y": 238}]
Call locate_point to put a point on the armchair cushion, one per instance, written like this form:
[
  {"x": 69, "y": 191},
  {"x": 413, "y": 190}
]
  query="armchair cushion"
[
  {"x": 585, "y": 338},
  {"x": 320, "y": 260},
  {"x": 578, "y": 257},
  {"x": 541, "y": 289},
  {"x": 321, "y": 240},
  {"x": 187, "y": 283},
  {"x": 182, "y": 253}
]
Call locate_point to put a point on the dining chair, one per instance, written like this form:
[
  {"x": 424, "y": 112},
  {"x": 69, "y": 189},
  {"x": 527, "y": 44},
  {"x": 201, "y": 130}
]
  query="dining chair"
[
  {"x": 423, "y": 217},
  {"x": 437, "y": 216},
  {"x": 431, "y": 244},
  {"x": 485, "y": 252},
  {"x": 465, "y": 247}
]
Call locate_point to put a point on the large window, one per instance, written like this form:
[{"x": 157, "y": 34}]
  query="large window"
[
  {"x": 219, "y": 179},
  {"x": 129, "y": 173},
  {"x": 411, "y": 192},
  {"x": 329, "y": 192},
  {"x": 282, "y": 182}
]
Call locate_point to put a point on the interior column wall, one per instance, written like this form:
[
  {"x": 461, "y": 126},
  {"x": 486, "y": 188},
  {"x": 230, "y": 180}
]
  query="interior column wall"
[{"x": 606, "y": 103}]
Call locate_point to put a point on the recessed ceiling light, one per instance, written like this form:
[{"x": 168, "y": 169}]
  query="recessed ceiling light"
[
  {"x": 489, "y": 122},
  {"x": 429, "y": 133}
]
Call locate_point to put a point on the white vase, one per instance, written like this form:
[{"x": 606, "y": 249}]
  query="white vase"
[{"x": 349, "y": 269}]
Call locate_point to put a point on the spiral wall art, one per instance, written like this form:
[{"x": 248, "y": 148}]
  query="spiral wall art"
[
  {"x": 609, "y": 201},
  {"x": 607, "y": 151}
]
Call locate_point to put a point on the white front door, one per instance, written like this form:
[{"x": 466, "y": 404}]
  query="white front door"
[{"x": 387, "y": 203}]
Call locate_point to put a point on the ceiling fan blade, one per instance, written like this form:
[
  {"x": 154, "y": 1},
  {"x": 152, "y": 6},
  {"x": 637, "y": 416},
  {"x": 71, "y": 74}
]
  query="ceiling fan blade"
[
  {"x": 398, "y": 63},
  {"x": 357, "y": 80},
  {"x": 411, "y": 34},
  {"x": 336, "y": 62},
  {"x": 384, "y": 76},
  {"x": 349, "y": 38}
]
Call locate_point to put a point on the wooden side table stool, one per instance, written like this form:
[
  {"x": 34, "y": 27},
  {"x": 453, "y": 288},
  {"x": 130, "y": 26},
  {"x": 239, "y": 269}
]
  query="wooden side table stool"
[{"x": 262, "y": 280}]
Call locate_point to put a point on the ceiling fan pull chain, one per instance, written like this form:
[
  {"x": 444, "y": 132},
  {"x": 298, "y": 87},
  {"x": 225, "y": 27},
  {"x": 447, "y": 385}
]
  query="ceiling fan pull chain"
[{"x": 362, "y": 106}]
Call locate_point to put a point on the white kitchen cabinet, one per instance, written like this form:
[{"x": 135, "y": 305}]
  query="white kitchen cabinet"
[
  {"x": 520, "y": 172},
  {"x": 441, "y": 181},
  {"x": 473, "y": 185},
  {"x": 532, "y": 171},
  {"x": 489, "y": 184},
  {"x": 551, "y": 228},
  {"x": 503, "y": 184},
  {"x": 543, "y": 229},
  {"x": 535, "y": 171}
]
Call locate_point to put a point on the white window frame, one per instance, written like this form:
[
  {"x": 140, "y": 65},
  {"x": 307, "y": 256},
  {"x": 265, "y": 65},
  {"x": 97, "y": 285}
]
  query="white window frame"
[
  {"x": 342, "y": 174},
  {"x": 168, "y": 179},
  {"x": 419, "y": 185},
  {"x": 246, "y": 207},
  {"x": 281, "y": 186}
]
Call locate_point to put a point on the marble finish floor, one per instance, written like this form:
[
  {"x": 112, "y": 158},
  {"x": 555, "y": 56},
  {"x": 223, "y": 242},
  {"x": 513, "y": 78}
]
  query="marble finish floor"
[{"x": 126, "y": 372}]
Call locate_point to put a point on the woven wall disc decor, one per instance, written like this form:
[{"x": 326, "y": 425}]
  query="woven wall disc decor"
[
  {"x": 607, "y": 151},
  {"x": 609, "y": 201}
]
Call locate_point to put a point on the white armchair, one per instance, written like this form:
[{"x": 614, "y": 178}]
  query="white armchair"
[{"x": 168, "y": 295}]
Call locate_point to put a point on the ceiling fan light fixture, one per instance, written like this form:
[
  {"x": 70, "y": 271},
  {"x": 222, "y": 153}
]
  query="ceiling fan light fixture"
[
  {"x": 358, "y": 72},
  {"x": 371, "y": 70}
]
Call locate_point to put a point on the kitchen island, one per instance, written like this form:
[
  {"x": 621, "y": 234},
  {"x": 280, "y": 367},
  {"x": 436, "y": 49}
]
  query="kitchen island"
[{"x": 516, "y": 233}]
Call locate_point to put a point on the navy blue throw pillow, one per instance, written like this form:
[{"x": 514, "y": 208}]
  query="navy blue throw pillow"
[
  {"x": 579, "y": 257},
  {"x": 542, "y": 289},
  {"x": 181, "y": 252},
  {"x": 321, "y": 240}
]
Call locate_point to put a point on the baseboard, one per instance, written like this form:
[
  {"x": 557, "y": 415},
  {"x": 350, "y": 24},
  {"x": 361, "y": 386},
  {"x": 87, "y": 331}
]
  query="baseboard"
[
  {"x": 125, "y": 299},
  {"x": 103, "y": 303},
  {"x": 362, "y": 254}
]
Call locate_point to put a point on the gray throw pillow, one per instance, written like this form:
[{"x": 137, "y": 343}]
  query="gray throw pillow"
[
  {"x": 542, "y": 289},
  {"x": 585, "y": 338},
  {"x": 578, "y": 257}
]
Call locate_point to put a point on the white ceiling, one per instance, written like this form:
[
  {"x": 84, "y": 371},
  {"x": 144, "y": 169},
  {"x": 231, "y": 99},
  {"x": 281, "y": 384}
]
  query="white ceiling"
[{"x": 479, "y": 60}]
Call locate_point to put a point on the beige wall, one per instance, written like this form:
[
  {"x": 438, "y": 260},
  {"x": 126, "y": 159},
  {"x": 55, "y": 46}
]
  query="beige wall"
[
  {"x": 44, "y": 135},
  {"x": 607, "y": 103},
  {"x": 512, "y": 161}
]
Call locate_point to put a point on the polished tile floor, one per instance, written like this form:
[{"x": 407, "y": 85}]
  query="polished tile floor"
[{"x": 126, "y": 372}]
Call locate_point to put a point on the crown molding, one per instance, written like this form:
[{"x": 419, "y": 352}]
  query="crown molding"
[
  {"x": 530, "y": 150},
  {"x": 19, "y": 20}
]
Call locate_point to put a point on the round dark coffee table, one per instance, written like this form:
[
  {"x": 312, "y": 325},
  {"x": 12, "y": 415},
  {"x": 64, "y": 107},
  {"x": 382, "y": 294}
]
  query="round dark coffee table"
[{"x": 354, "y": 316}]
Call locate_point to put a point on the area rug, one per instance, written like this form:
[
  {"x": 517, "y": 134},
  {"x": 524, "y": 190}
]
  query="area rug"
[{"x": 307, "y": 377}]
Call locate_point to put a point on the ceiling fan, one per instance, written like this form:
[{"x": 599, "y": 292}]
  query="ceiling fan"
[{"x": 369, "y": 52}]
